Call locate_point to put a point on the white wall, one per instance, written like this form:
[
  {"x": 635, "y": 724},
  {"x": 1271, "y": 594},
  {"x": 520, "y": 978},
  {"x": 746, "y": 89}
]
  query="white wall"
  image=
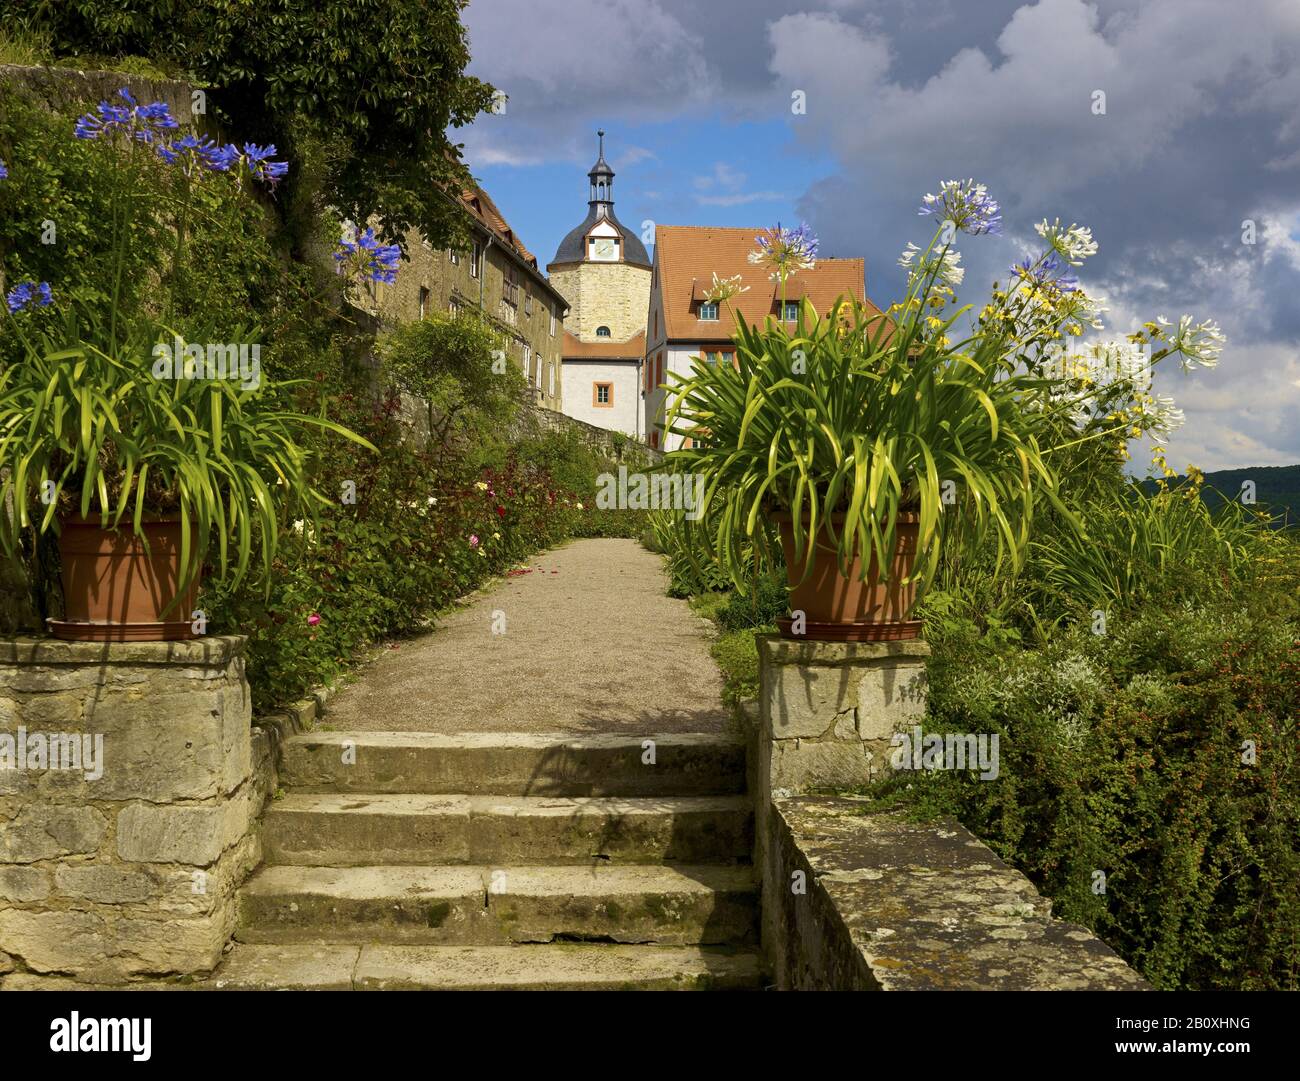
[
  {"x": 677, "y": 358},
  {"x": 622, "y": 416}
]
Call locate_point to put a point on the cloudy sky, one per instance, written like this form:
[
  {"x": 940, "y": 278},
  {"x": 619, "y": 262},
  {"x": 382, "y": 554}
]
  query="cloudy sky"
[{"x": 1200, "y": 133}]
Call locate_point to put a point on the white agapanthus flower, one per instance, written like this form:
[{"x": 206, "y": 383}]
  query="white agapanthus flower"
[
  {"x": 1161, "y": 415},
  {"x": 1119, "y": 361},
  {"x": 1072, "y": 242},
  {"x": 1199, "y": 343},
  {"x": 725, "y": 288},
  {"x": 949, "y": 263}
]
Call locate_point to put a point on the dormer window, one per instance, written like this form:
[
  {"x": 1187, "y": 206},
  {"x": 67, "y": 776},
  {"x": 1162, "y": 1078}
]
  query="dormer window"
[
  {"x": 709, "y": 310},
  {"x": 602, "y": 332},
  {"x": 791, "y": 311}
]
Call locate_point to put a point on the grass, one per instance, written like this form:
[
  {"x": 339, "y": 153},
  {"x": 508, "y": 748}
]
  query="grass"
[
  {"x": 734, "y": 651},
  {"x": 27, "y": 47}
]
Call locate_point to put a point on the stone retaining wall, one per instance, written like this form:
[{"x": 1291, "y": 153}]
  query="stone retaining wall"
[
  {"x": 855, "y": 900},
  {"x": 131, "y": 872},
  {"x": 872, "y": 902}
]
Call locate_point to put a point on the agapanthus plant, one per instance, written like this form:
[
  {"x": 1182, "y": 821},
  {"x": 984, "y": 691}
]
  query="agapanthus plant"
[
  {"x": 29, "y": 294},
  {"x": 254, "y": 162},
  {"x": 85, "y": 411},
  {"x": 145, "y": 123},
  {"x": 364, "y": 257},
  {"x": 967, "y": 205},
  {"x": 785, "y": 252},
  {"x": 844, "y": 429}
]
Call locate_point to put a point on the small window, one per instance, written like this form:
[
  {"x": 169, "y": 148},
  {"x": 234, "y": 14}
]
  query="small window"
[
  {"x": 475, "y": 256},
  {"x": 656, "y": 333},
  {"x": 602, "y": 332},
  {"x": 552, "y": 322},
  {"x": 709, "y": 310},
  {"x": 791, "y": 311},
  {"x": 528, "y": 356},
  {"x": 453, "y": 257},
  {"x": 528, "y": 301},
  {"x": 602, "y": 395},
  {"x": 424, "y": 302},
  {"x": 454, "y": 307}
]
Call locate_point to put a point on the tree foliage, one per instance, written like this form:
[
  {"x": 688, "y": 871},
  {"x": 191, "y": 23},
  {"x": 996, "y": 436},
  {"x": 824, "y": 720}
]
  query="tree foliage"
[{"x": 378, "y": 83}]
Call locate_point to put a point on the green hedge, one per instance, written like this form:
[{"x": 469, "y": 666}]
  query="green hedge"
[{"x": 1164, "y": 754}]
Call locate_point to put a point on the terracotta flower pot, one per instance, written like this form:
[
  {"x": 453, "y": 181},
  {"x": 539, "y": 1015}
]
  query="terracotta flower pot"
[
  {"x": 115, "y": 591},
  {"x": 856, "y": 608}
]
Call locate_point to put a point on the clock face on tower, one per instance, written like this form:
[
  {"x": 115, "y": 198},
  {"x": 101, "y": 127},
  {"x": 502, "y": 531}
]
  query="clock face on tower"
[{"x": 604, "y": 248}]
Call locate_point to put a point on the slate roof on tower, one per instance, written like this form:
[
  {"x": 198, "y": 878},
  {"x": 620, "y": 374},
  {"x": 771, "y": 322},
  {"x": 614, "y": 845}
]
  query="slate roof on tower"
[
  {"x": 689, "y": 256},
  {"x": 600, "y": 207}
]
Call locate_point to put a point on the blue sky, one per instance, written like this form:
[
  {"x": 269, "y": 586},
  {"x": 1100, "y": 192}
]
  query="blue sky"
[
  {"x": 1201, "y": 132},
  {"x": 702, "y": 170}
]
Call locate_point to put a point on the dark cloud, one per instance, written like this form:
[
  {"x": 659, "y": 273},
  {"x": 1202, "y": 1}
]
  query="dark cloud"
[{"x": 1201, "y": 131}]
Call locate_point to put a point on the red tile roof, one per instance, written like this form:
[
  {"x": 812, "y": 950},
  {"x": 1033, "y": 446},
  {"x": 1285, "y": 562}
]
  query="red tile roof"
[
  {"x": 481, "y": 206},
  {"x": 689, "y": 255},
  {"x": 632, "y": 349}
]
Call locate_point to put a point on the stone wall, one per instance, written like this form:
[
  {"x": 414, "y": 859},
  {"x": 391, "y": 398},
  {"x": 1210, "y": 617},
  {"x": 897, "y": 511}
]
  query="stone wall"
[
  {"x": 532, "y": 421},
  {"x": 872, "y": 902},
  {"x": 129, "y": 868},
  {"x": 829, "y": 708},
  {"x": 616, "y": 295},
  {"x": 859, "y": 900}
]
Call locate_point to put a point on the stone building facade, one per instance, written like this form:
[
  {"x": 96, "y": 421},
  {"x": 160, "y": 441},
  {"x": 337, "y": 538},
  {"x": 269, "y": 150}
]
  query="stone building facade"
[{"x": 497, "y": 276}]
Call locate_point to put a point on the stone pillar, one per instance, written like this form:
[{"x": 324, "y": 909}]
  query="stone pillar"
[
  {"x": 125, "y": 866},
  {"x": 828, "y": 709},
  {"x": 826, "y": 714}
]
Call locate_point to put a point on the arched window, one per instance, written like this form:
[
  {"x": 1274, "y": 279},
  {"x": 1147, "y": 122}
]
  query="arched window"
[{"x": 602, "y": 332}]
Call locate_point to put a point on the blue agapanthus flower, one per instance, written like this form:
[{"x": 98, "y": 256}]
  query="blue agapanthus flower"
[
  {"x": 4, "y": 173},
  {"x": 785, "y": 251},
  {"x": 28, "y": 294},
  {"x": 367, "y": 258},
  {"x": 967, "y": 205},
  {"x": 1047, "y": 270},
  {"x": 255, "y": 161},
  {"x": 142, "y": 122},
  {"x": 191, "y": 152}
]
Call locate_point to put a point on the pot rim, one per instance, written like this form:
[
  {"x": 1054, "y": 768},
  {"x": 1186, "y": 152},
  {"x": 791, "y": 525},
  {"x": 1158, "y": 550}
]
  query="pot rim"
[{"x": 96, "y": 521}]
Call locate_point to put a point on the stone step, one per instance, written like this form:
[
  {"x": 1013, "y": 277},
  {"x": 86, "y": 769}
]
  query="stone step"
[
  {"x": 510, "y": 764},
  {"x": 552, "y": 967},
  {"x": 333, "y": 830},
  {"x": 626, "y": 903}
]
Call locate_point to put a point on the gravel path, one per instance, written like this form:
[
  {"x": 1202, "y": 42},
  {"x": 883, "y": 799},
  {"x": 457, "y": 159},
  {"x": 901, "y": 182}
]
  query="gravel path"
[{"x": 591, "y": 644}]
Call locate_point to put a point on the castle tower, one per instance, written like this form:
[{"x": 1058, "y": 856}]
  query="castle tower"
[{"x": 602, "y": 267}]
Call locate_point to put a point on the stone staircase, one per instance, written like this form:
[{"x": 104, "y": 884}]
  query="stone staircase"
[{"x": 494, "y": 860}]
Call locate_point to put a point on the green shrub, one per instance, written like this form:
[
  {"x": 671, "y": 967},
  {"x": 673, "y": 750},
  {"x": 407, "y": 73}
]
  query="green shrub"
[
  {"x": 759, "y": 607},
  {"x": 1164, "y": 754}
]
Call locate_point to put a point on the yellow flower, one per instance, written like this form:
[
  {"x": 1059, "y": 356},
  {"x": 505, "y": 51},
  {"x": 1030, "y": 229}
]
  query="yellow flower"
[
  {"x": 481, "y": 486},
  {"x": 496, "y": 536}
]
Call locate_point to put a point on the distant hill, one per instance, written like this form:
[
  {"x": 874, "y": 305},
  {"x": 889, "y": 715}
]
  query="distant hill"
[{"x": 1277, "y": 488}]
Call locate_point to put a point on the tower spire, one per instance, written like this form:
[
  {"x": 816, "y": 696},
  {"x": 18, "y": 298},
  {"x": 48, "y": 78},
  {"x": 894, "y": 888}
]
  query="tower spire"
[{"x": 602, "y": 180}]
